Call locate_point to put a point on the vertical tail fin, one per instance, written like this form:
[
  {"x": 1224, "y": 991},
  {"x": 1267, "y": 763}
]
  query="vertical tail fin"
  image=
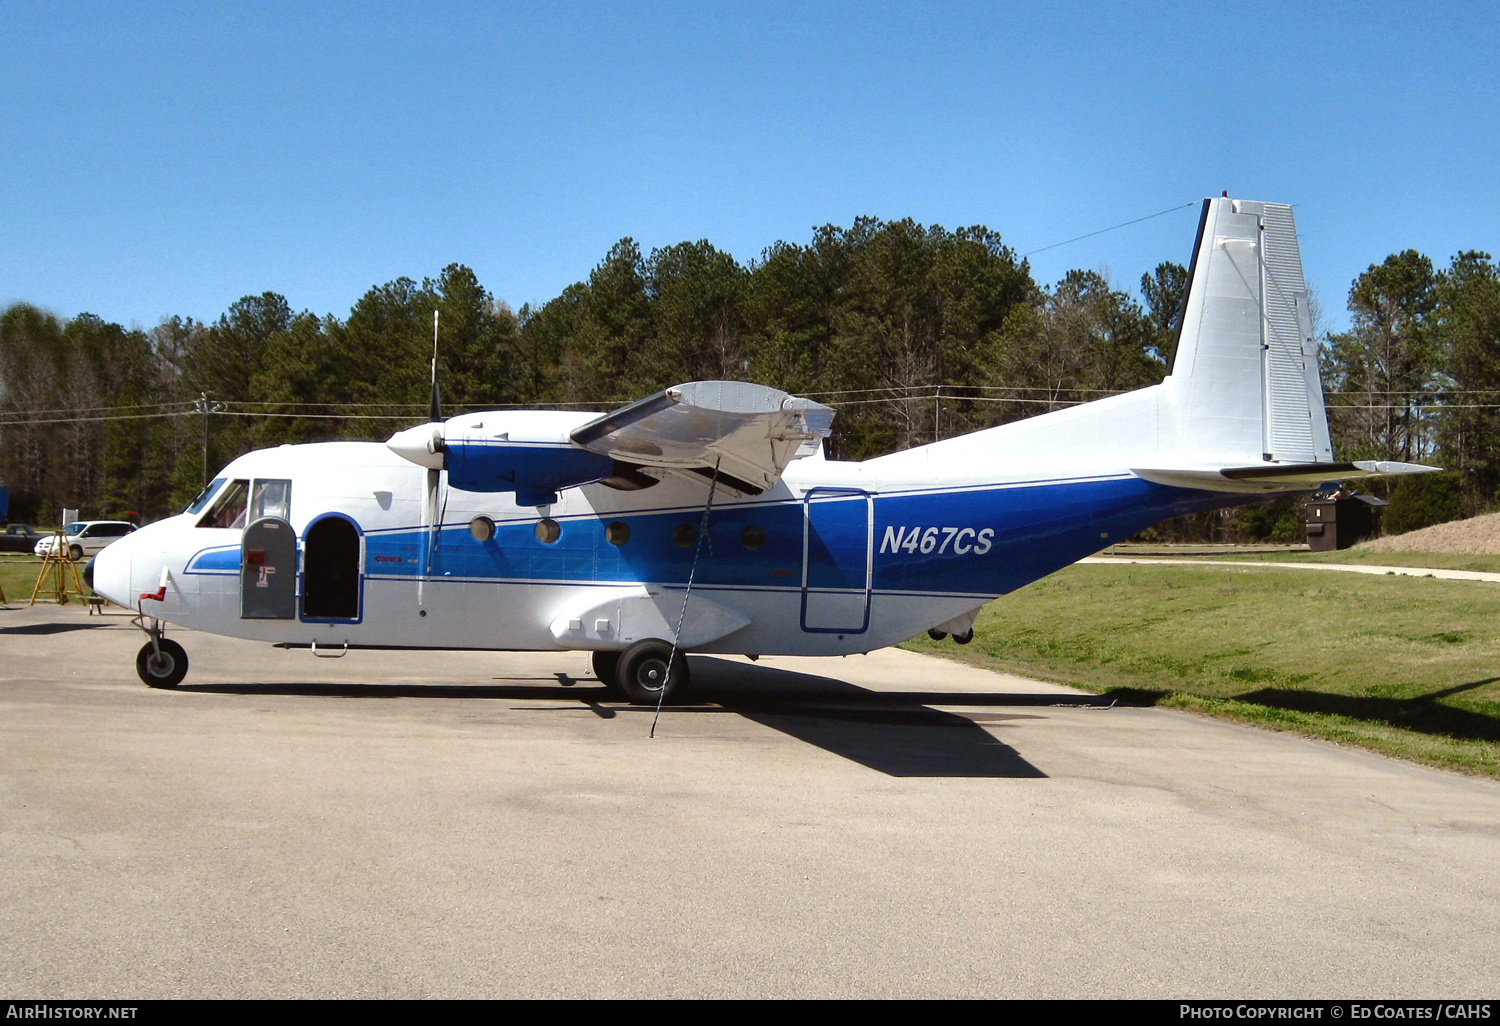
[
  {"x": 1241, "y": 408},
  {"x": 1247, "y": 318}
]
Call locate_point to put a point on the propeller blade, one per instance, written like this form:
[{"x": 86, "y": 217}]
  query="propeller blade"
[{"x": 435, "y": 410}]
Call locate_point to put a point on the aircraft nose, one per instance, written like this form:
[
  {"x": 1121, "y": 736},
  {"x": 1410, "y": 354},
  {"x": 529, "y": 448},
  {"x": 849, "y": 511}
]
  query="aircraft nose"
[{"x": 112, "y": 573}]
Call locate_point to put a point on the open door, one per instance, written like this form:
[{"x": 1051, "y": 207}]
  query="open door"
[
  {"x": 332, "y": 585},
  {"x": 836, "y": 560},
  {"x": 268, "y": 571}
]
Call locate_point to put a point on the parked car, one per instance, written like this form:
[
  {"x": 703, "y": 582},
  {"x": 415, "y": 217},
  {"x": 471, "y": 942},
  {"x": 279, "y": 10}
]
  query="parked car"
[
  {"x": 86, "y": 537},
  {"x": 18, "y": 538}
]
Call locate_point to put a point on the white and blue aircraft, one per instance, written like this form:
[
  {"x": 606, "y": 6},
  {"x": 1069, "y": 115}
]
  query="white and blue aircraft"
[{"x": 705, "y": 518}]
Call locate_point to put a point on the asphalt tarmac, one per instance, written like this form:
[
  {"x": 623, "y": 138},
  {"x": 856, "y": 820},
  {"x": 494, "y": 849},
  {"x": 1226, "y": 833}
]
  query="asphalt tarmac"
[{"x": 490, "y": 825}]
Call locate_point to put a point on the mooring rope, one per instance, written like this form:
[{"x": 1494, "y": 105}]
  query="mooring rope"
[{"x": 682, "y": 616}]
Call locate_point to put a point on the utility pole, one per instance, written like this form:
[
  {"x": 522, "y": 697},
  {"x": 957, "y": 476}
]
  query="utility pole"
[{"x": 203, "y": 406}]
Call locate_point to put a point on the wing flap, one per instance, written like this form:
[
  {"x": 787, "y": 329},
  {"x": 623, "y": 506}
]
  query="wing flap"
[{"x": 751, "y": 432}]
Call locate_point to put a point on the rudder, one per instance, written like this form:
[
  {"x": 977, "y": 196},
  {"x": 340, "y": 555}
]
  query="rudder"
[{"x": 1247, "y": 318}]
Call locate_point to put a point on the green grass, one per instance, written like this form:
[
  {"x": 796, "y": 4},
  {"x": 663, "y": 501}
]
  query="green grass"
[
  {"x": 1406, "y": 666},
  {"x": 1438, "y": 560},
  {"x": 18, "y": 575},
  {"x": 1282, "y": 554}
]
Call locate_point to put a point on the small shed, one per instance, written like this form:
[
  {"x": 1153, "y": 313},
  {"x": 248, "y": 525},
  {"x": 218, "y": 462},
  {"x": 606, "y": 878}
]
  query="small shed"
[{"x": 1340, "y": 520}]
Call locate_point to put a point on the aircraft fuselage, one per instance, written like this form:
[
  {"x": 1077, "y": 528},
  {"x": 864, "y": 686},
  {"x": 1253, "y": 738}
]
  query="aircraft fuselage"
[{"x": 833, "y": 560}]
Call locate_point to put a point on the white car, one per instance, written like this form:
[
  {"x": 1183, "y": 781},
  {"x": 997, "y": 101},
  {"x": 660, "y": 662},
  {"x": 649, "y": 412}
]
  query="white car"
[{"x": 86, "y": 537}]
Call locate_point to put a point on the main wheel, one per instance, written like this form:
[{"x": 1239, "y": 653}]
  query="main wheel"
[
  {"x": 162, "y": 670},
  {"x": 606, "y": 666},
  {"x": 75, "y": 552},
  {"x": 643, "y": 673}
]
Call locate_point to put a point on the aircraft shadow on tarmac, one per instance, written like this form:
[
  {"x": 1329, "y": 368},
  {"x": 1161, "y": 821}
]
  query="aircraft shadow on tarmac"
[
  {"x": 896, "y": 733},
  {"x": 1422, "y": 714},
  {"x": 1425, "y": 714},
  {"x": 49, "y": 628}
]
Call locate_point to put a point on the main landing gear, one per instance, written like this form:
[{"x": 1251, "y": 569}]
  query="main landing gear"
[{"x": 640, "y": 672}]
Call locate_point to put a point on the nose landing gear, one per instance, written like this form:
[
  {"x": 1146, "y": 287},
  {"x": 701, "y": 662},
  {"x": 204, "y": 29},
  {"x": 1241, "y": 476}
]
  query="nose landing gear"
[{"x": 161, "y": 663}]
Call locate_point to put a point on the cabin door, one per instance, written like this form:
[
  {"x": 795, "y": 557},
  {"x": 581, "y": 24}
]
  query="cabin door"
[
  {"x": 268, "y": 571},
  {"x": 836, "y": 559},
  {"x": 332, "y": 584}
]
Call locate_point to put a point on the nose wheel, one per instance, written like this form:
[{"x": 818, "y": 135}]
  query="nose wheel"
[{"x": 161, "y": 663}]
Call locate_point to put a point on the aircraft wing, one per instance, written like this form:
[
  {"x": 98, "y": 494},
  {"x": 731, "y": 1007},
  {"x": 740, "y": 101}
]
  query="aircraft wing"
[
  {"x": 1274, "y": 477},
  {"x": 750, "y": 432}
]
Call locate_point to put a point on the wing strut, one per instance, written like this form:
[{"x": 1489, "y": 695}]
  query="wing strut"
[{"x": 682, "y": 617}]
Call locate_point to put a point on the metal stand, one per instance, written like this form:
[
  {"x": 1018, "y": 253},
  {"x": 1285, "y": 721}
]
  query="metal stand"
[{"x": 59, "y": 562}]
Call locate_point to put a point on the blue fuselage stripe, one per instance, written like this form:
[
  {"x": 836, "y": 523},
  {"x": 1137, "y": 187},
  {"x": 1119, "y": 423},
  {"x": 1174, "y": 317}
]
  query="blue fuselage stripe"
[
  {"x": 971, "y": 541},
  {"x": 965, "y": 542}
]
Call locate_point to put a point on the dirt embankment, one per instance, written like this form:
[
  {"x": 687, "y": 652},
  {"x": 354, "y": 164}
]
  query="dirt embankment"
[{"x": 1478, "y": 536}]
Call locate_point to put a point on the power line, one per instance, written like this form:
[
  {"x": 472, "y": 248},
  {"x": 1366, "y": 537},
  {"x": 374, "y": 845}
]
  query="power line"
[
  {"x": 97, "y": 420},
  {"x": 112, "y": 409}
]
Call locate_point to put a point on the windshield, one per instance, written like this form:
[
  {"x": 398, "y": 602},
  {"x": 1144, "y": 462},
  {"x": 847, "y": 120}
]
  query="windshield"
[
  {"x": 204, "y": 496},
  {"x": 74, "y": 528},
  {"x": 228, "y": 509}
]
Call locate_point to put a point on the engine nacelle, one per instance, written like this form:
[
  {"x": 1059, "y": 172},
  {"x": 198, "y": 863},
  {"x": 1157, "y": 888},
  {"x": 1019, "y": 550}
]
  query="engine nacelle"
[{"x": 523, "y": 451}]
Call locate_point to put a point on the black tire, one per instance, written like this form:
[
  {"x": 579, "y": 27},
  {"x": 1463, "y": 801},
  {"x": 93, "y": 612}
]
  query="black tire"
[
  {"x": 643, "y": 672},
  {"x": 964, "y": 638},
  {"x": 937, "y": 635},
  {"x": 606, "y": 666},
  {"x": 164, "y": 671},
  {"x": 75, "y": 552}
]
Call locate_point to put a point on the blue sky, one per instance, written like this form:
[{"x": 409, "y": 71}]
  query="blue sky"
[{"x": 166, "y": 159}]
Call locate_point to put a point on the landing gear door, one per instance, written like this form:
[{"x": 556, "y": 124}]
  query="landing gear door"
[
  {"x": 268, "y": 571},
  {"x": 836, "y": 560}
]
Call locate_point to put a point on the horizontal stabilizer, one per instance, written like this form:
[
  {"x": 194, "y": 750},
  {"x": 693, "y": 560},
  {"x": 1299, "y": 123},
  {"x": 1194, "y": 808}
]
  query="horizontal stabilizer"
[
  {"x": 1276, "y": 477},
  {"x": 750, "y": 432}
]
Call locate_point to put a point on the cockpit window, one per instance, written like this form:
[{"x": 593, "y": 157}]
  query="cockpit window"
[
  {"x": 204, "y": 496},
  {"x": 228, "y": 510},
  {"x": 271, "y": 498}
]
